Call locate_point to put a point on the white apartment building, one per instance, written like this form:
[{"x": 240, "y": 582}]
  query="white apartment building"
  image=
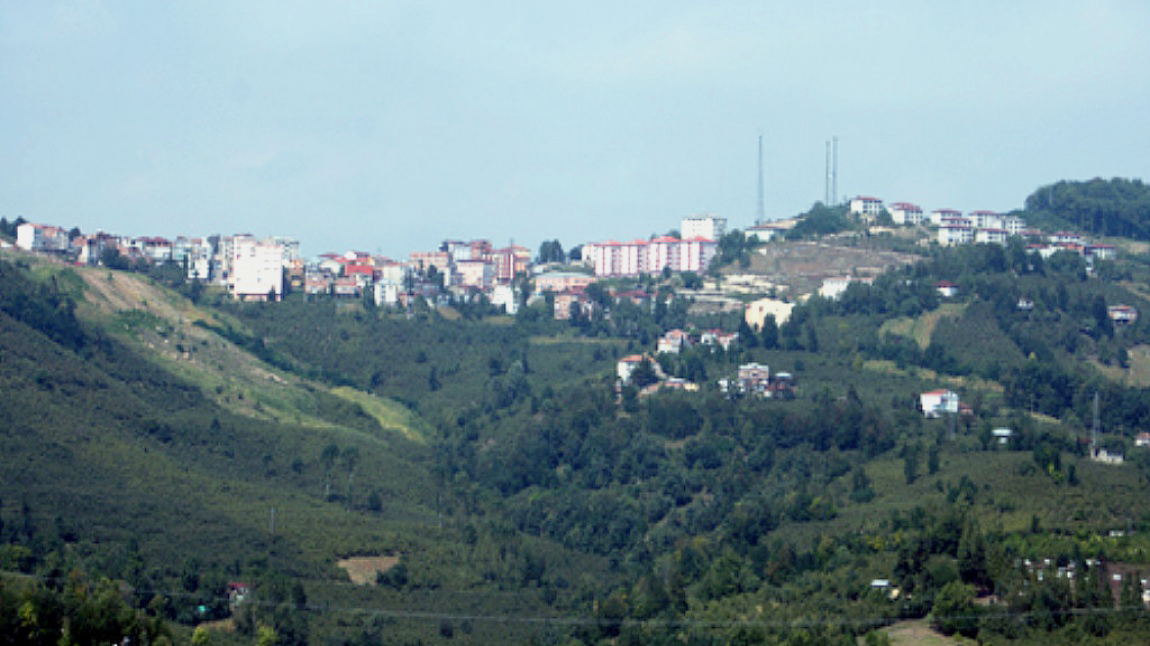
[
  {"x": 703, "y": 226},
  {"x": 386, "y": 294},
  {"x": 991, "y": 236},
  {"x": 985, "y": 219},
  {"x": 906, "y": 213},
  {"x": 650, "y": 256},
  {"x": 41, "y": 237},
  {"x": 256, "y": 269},
  {"x": 664, "y": 252},
  {"x": 696, "y": 254},
  {"x": 866, "y": 207},
  {"x": 955, "y": 233},
  {"x": 937, "y": 216}
]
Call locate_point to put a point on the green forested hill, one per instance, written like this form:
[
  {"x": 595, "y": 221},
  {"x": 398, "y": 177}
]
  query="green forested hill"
[
  {"x": 148, "y": 440},
  {"x": 121, "y": 461},
  {"x": 1115, "y": 207}
]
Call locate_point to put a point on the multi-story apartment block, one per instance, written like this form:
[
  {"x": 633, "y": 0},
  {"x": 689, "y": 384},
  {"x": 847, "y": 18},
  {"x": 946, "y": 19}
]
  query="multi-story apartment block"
[
  {"x": 703, "y": 226},
  {"x": 424, "y": 260},
  {"x": 474, "y": 273},
  {"x": 938, "y": 215},
  {"x": 985, "y": 219},
  {"x": 991, "y": 236},
  {"x": 509, "y": 262},
  {"x": 906, "y": 213},
  {"x": 196, "y": 255},
  {"x": 290, "y": 248},
  {"x": 955, "y": 232},
  {"x": 650, "y": 256},
  {"x": 256, "y": 269},
  {"x": 41, "y": 237},
  {"x": 664, "y": 252},
  {"x": 866, "y": 207}
]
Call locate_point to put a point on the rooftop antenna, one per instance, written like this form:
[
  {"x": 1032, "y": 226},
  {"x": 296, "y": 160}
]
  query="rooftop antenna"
[{"x": 761, "y": 215}]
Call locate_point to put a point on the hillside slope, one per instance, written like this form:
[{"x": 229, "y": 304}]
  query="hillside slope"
[{"x": 142, "y": 445}]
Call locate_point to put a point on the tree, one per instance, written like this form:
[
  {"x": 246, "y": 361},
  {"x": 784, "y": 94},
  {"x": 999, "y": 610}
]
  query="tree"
[
  {"x": 201, "y": 636},
  {"x": 953, "y": 610},
  {"x": 820, "y": 220},
  {"x": 551, "y": 251},
  {"x": 746, "y": 335},
  {"x": 770, "y": 332},
  {"x": 644, "y": 374}
]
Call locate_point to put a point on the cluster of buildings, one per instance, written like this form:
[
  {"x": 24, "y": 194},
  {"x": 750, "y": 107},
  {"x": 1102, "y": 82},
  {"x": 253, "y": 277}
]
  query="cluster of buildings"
[
  {"x": 250, "y": 268},
  {"x": 264, "y": 269},
  {"x": 955, "y": 228},
  {"x": 750, "y": 380},
  {"x": 1048, "y": 245},
  {"x": 756, "y": 380},
  {"x": 459, "y": 269},
  {"x": 952, "y": 227}
]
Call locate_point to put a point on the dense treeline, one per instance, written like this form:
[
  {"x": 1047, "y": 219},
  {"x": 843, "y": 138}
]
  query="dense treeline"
[
  {"x": 43, "y": 306},
  {"x": 1115, "y": 207}
]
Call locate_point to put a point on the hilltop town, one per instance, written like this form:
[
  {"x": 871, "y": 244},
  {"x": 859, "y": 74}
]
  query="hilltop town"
[{"x": 252, "y": 268}]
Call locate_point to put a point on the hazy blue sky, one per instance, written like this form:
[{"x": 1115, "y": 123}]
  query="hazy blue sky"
[{"x": 389, "y": 126}]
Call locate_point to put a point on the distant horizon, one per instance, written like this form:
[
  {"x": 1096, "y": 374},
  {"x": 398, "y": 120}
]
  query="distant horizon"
[{"x": 513, "y": 239}]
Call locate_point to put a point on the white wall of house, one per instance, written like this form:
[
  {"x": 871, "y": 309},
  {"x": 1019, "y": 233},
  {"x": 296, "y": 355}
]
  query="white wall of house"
[
  {"x": 257, "y": 269},
  {"x": 705, "y": 226},
  {"x": 938, "y": 402}
]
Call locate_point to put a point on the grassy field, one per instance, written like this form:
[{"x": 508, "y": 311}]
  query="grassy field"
[{"x": 921, "y": 328}]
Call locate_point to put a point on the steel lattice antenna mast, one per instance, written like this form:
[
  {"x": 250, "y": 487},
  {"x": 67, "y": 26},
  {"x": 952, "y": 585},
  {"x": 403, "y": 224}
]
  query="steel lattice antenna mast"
[
  {"x": 827, "y": 182},
  {"x": 760, "y": 215},
  {"x": 835, "y": 171}
]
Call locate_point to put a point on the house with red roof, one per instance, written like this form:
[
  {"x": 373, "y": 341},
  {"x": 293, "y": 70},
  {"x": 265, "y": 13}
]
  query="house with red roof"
[
  {"x": 906, "y": 213},
  {"x": 935, "y": 403},
  {"x": 866, "y": 207}
]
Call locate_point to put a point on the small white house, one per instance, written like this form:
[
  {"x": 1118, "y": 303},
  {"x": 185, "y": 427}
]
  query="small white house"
[{"x": 936, "y": 403}]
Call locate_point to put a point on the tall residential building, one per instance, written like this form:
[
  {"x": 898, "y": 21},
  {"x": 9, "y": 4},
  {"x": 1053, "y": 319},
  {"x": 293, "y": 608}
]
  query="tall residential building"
[
  {"x": 703, "y": 226},
  {"x": 650, "y": 256},
  {"x": 256, "y": 269}
]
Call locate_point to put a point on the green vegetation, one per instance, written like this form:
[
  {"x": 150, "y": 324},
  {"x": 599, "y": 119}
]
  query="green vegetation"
[
  {"x": 821, "y": 220},
  {"x": 158, "y": 450},
  {"x": 1116, "y": 207}
]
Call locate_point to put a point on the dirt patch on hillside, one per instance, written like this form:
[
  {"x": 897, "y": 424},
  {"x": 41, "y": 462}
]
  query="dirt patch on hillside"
[
  {"x": 802, "y": 266},
  {"x": 363, "y": 569},
  {"x": 112, "y": 292}
]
